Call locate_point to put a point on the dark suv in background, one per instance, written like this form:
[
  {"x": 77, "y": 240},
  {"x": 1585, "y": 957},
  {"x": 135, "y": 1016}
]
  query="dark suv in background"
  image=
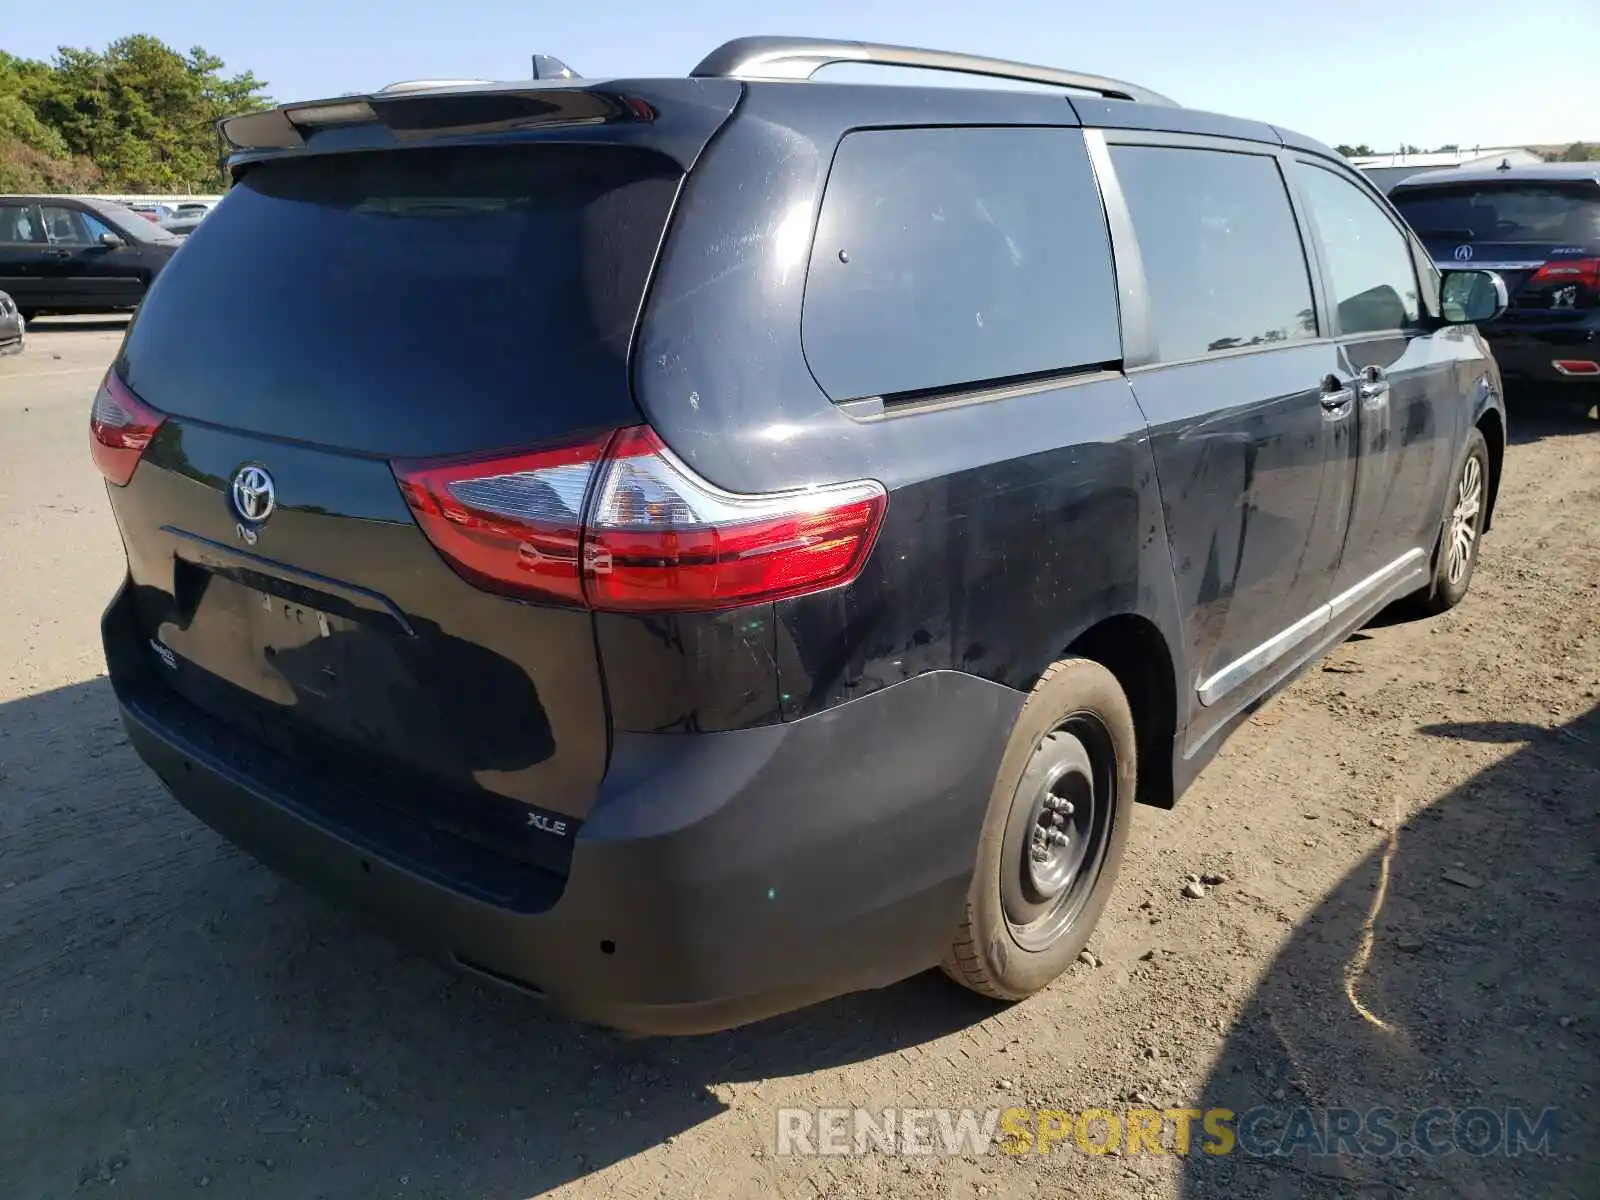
[
  {"x": 1538, "y": 227},
  {"x": 692, "y": 547},
  {"x": 71, "y": 254}
]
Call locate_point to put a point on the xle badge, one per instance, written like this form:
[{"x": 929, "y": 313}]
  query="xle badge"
[{"x": 547, "y": 824}]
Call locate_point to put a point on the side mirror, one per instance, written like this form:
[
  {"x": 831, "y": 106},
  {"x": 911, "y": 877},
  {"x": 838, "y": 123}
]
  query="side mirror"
[
  {"x": 1468, "y": 297},
  {"x": 111, "y": 239}
]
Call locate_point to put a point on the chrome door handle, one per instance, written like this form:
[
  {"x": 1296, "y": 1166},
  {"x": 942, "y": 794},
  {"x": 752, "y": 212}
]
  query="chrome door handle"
[
  {"x": 1336, "y": 396},
  {"x": 1374, "y": 385}
]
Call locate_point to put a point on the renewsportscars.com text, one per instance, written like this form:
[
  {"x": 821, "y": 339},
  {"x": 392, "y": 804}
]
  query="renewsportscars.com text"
[{"x": 1260, "y": 1132}]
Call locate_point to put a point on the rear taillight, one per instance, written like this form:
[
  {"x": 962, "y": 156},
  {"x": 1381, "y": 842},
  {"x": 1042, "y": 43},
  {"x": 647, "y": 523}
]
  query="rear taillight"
[
  {"x": 659, "y": 537},
  {"x": 619, "y": 523},
  {"x": 511, "y": 524},
  {"x": 120, "y": 427},
  {"x": 1571, "y": 270}
]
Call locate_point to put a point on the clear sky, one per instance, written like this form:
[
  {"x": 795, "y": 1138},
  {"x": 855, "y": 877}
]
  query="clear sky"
[{"x": 1477, "y": 72}]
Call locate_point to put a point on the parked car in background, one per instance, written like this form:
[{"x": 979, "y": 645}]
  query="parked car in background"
[
  {"x": 13, "y": 327},
  {"x": 183, "y": 224},
  {"x": 1538, "y": 227},
  {"x": 800, "y": 523},
  {"x": 70, "y": 255},
  {"x": 155, "y": 213}
]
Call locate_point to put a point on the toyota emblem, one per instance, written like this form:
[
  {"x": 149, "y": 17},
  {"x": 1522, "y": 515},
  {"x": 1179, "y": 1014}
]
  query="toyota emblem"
[
  {"x": 254, "y": 495},
  {"x": 1463, "y": 253}
]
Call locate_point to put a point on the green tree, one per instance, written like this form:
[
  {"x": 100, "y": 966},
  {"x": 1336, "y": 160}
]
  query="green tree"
[
  {"x": 1361, "y": 151},
  {"x": 33, "y": 155},
  {"x": 138, "y": 116}
]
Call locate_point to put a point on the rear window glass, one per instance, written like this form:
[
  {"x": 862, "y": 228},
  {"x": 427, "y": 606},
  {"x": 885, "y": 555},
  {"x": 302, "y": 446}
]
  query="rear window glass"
[
  {"x": 414, "y": 302},
  {"x": 950, "y": 257},
  {"x": 1222, "y": 252},
  {"x": 1507, "y": 212}
]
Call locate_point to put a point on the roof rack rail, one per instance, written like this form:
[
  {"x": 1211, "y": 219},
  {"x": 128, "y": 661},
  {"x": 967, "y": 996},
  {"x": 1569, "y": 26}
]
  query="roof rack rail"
[{"x": 788, "y": 58}]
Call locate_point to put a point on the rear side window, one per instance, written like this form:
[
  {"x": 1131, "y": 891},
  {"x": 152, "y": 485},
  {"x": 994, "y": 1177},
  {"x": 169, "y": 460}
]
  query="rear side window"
[
  {"x": 20, "y": 223},
  {"x": 413, "y": 302},
  {"x": 1222, "y": 254},
  {"x": 1368, "y": 259},
  {"x": 951, "y": 257},
  {"x": 1504, "y": 212}
]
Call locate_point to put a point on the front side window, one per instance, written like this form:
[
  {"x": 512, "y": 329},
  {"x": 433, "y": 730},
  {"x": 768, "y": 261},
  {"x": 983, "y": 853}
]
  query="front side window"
[
  {"x": 1222, "y": 254},
  {"x": 65, "y": 224},
  {"x": 1368, "y": 259},
  {"x": 94, "y": 226},
  {"x": 951, "y": 257}
]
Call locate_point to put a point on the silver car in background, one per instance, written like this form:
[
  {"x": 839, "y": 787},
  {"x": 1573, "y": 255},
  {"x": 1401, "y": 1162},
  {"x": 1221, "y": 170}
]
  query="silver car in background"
[{"x": 13, "y": 329}]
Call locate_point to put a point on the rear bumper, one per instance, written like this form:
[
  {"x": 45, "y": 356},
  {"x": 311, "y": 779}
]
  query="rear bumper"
[
  {"x": 1527, "y": 352},
  {"x": 720, "y": 878}
]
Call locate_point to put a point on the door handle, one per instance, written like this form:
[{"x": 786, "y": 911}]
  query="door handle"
[
  {"x": 1374, "y": 384},
  {"x": 1336, "y": 396},
  {"x": 57, "y": 252}
]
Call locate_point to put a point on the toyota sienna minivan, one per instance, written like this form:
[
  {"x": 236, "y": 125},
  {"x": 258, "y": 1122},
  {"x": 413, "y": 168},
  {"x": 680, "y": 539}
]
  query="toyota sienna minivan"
[{"x": 691, "y": 547}]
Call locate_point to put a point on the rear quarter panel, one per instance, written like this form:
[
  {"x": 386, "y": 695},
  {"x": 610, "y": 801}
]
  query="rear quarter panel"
[{"x": 1016, "y": 521}]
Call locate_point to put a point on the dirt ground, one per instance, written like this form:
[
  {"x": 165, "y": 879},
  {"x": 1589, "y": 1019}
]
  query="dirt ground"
[{"x": 1409, "y": 839}]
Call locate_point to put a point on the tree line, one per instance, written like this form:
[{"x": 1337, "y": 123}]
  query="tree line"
[{"x": 135, "y": 117}]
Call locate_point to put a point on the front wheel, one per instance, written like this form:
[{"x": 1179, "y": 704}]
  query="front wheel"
[
  {"x": 1466, "y": 507},
  {"x": 1054, "y": 835}
]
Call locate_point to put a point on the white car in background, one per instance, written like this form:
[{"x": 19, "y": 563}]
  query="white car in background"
[{"x": 13, "y": 328}]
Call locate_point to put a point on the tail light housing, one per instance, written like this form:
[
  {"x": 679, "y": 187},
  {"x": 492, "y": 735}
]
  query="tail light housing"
[
  {"x": 1569, "y": 270},
  {"x": 120, "y": 427},
  {"x": 617, "y": 522}
]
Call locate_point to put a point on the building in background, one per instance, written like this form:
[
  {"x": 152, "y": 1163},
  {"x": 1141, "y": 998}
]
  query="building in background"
[{"x": 1386, "y": 170}]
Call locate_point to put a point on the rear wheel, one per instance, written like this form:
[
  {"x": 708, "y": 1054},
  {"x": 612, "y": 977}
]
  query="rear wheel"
[
  {"x": 1466, "y": 506},
  {"x": 1054, "y": 835}
]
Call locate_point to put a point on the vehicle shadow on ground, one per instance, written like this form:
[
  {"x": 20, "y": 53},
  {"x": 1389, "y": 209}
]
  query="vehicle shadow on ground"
[
  {"x": 175, "y": 1016},
  {"x": 1538, "y": 413},
  {"x": 1454, "y": 969}
]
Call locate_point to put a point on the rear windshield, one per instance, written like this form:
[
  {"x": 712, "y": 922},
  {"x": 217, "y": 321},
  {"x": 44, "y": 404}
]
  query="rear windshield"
[
  {"x": 1504, "y": 212},
  {"x": 415, "y": 302}
]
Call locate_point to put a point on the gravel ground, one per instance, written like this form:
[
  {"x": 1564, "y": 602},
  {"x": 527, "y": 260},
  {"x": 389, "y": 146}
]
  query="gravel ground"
[{"x": 1406, "y": 841}]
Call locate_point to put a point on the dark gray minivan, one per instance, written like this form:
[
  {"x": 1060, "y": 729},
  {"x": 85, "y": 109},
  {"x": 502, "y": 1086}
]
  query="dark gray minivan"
[{"x": 692, "y": 547}]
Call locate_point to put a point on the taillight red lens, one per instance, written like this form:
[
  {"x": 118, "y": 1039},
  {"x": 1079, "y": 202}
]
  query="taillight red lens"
[
  {"x": 659, "y": 537},
  {"x": 120, "y": 427},
  {"x": 1570, "y": 270},
  {"x": 656, "y": 537},
  {"x": 512, "y": 523}
]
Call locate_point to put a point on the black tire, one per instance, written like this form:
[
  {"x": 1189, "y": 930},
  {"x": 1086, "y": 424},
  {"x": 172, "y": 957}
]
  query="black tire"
[
  {"x": 1073, "y": 742},
  {"x": 1452, "y": 575}
]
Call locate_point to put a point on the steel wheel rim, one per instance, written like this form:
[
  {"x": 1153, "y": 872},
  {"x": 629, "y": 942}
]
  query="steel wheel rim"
[
  {"x": 1069, "y": 788},
  {"x": 1464, "y": 520}
]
